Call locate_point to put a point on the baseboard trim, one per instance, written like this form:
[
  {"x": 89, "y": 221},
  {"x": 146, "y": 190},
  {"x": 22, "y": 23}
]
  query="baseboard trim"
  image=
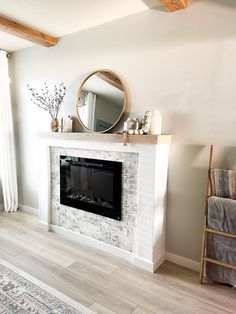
[
  {"x": 144, "y": 264},
  {"x": 147, "y": 265},
  {"x": 75, "y": 236},
  {"x": 44, "y": 226},
  {"x": 159, "y": 261},
  {"x": 182, "y": 261},
  {"x": 28, "y": 209}
]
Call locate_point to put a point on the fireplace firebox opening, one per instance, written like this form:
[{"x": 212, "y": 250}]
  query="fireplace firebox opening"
[{"x": 91, "y": 185}]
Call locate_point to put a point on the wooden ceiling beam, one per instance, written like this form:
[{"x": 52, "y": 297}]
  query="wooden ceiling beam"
[
  {"x": 173, "y": 5},
  {"x": 110, "y": 79},
  {"x": 17, "y": 29}
]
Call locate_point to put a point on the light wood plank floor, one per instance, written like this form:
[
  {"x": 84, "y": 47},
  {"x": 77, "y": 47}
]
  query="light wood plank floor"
[{"x": 102, "y": 282}]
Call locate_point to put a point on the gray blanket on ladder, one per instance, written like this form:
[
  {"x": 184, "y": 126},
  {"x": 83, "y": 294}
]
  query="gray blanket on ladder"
[{"x": 221, "y": 215}]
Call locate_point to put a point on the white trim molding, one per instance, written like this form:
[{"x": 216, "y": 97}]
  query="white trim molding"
[
  {"x": 44, "y": 226},
  {"x": 147, "y": 265},
  {"x": 28, "y": 209},
  {"x": 182, "y": 261}
]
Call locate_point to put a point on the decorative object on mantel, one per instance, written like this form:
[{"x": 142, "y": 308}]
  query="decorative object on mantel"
[
  {"x": 66, "y": 124},
  {"x": 150, "y": 124},
  {"x": 173, "y": 5},
  {"x": 132, "y": 126},
  {"x": 101, "y": 101},
  {"x": 156, "y": 123},
  {"x": 49, "y": 101},
  {"x": 146, "y": 123}
]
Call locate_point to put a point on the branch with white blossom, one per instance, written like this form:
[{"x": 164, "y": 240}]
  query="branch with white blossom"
[{"x": 50, "y": 102}]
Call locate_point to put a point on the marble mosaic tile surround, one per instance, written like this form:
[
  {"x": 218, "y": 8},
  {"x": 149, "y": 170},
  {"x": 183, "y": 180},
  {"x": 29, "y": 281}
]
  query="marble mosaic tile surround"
[{"x": 117, "y": 233}]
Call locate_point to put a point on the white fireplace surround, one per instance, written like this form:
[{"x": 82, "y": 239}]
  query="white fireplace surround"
[{"x": 153, "y": 153}]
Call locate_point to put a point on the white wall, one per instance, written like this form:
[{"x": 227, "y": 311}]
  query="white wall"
[
  {"x": 183, "y": 64},
  {"x": 1, "y": 197}
]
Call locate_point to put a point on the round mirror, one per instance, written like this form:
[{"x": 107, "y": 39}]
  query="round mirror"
[{"x": 101, "y": 100}]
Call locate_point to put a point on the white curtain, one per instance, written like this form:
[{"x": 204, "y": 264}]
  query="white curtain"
[
  {"x": 7, "y": 147},
  {"x": 87, "y": 110}
]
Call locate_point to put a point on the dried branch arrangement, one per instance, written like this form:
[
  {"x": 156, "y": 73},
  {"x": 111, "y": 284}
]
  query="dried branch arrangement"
[{"x": 49, "y": 101}]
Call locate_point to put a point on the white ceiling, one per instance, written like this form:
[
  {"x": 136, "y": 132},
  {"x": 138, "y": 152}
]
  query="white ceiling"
[{"x": 63, "y": 17}]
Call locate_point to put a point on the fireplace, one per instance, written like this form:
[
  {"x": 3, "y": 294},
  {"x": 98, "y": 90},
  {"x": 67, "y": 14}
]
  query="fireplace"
[
  {"x": 91, "y": 185},
  {"x": 140, "y": 235}
]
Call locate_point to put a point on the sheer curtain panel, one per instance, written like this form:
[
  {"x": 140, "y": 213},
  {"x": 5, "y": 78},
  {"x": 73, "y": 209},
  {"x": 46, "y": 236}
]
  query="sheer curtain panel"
[{"x": 7, "y": 147}]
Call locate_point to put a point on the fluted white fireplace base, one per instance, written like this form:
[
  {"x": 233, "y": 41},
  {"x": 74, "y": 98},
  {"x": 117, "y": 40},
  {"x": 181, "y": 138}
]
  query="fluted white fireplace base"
[{"x": 149, "y": 249}]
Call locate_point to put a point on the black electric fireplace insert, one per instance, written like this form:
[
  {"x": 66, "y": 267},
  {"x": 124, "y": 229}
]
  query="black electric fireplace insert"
[{"x": 92, "y": 185}]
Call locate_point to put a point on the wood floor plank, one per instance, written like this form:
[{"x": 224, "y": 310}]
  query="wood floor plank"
[
  {"x": 118, "y": 261},
  {"x": 101, "y": 294},
  {"x": 73, "y": 252},
  {"x": 39, "y": 249},
  {"x": 36, "y": 261},
  {"x": 26, "y": 216},
  {"x": 20, "y": 217},
  {"x": 65, "y": 241},
  {"x": 10, "y": 247},
  {"x": 142, "y": 310},
  {"x": 188, "y": 279},
  {"x": 100, "y": 309},
  {"x": 10, "y": 226}
]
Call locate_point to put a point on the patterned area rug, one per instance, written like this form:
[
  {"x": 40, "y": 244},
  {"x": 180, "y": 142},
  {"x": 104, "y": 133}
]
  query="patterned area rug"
[{"x": 20, "y": 293}]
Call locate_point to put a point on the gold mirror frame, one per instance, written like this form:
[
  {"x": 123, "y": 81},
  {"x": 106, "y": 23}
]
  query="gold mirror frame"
[{"x": 124, "y": 104}]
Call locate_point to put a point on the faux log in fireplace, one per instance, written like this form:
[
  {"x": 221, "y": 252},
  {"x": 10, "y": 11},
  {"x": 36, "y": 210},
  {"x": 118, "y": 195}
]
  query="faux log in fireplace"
[{"x": 92, "y": 185}]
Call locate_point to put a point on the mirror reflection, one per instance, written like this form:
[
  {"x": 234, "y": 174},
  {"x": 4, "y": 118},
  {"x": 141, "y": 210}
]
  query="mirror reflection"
[{"x": 101, "y": 101}]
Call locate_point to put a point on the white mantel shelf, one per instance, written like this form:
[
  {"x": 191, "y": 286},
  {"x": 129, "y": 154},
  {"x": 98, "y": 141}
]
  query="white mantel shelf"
[{"x": 108, "y": 137}]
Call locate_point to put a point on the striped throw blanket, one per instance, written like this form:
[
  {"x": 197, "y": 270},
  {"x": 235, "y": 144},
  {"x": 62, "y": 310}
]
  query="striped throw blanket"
[
  {"x": 221, "y": 216},
  {"x": 223, "y": 183}
]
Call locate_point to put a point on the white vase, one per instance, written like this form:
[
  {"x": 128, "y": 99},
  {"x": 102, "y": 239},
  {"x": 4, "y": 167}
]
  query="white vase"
[{"x": 156, "y": 124}]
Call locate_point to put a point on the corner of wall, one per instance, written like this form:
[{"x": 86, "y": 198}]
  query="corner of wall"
[
  {"x": 28, "y": 209},
  {"x": 182, "y": 261}
]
